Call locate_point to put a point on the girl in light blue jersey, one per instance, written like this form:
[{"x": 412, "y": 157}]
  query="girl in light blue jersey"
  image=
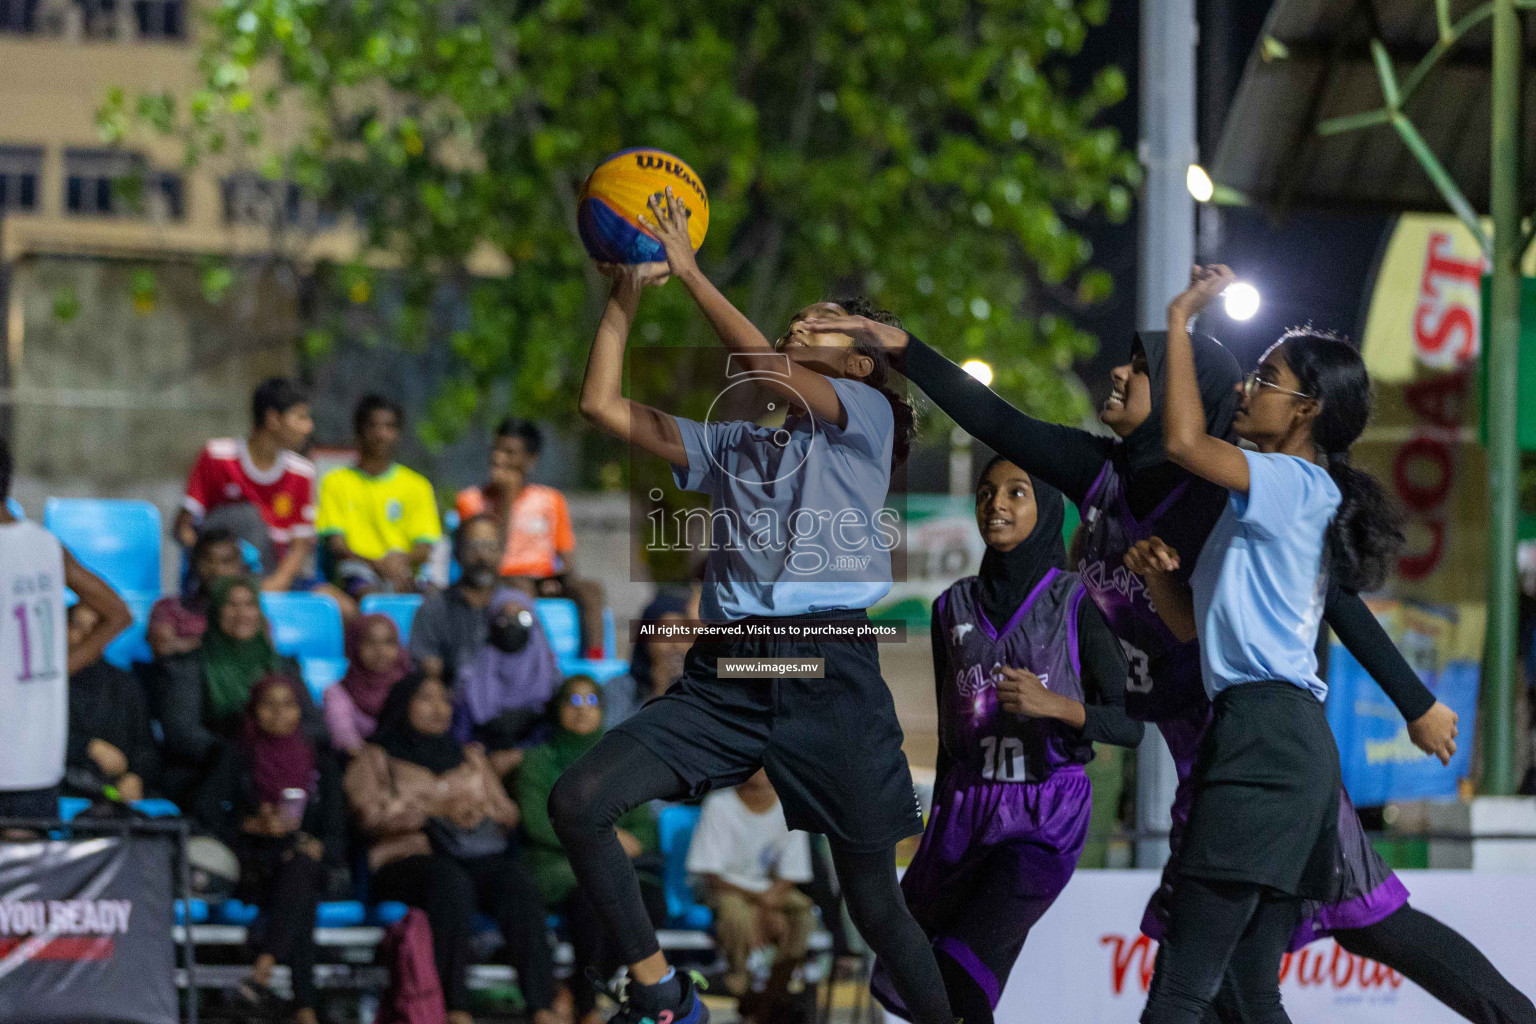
[{"x": 1263, "y": 827}]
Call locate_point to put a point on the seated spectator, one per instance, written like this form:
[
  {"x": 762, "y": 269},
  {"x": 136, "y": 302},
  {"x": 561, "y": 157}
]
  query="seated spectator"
[
  {"x": 203, "y": 695},
  {"x": 112, "y": 751},
  {"x": 654, "y": 666},
  {"x": 375, "y": 663},
  {"x": 273, "y": 799},
  {"x": 579, "y": 725},
  {"x": 378, "y": 519},
  {"x": 540, "y": 554},
  {"x": 485, "y": 643},
  {"x": 751, "y": 862},
  {"x": 177, "y": 623},
  {"x": 437, "y": 820},
  {"x": 260, "y": 489}
]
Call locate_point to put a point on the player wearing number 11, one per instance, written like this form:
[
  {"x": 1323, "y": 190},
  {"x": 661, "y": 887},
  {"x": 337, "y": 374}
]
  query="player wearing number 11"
[
  {"x": 35, "y": 662},
  {"x": 1029, "y": 677}
]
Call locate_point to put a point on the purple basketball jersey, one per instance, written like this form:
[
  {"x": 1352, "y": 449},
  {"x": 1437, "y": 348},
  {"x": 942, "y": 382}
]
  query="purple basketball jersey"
[
  {"x": 1164, "y": 676},
  {"x": 1041, "y": 636}
]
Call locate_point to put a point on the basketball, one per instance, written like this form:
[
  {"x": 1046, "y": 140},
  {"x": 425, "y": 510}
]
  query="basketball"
[{"x": 615, "y": 195}]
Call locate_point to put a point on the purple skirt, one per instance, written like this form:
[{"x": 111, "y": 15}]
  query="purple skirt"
[{"x": 993, "y": 859}]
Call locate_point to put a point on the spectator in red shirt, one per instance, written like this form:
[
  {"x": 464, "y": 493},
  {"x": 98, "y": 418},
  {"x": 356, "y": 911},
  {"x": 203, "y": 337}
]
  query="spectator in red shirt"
[
  {"x": 236, "y": 480},
  {"x": 540, "y": 557}
]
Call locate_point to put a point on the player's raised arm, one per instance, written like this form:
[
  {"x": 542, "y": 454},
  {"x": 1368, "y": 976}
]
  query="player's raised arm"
[
  {"x": 1184, "y": 431},
  {"x": 669, "y": 223},
  {"x": 602, "y": 391}
]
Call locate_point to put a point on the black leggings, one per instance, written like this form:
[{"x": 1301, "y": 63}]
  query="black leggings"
[
  {"x": 450, "y": 891},
  {"x": 286, "y": 885},
  {"x": 620, "y": 773},
  {"x": 1219, "y": 930},
  {"x": 1443, "y": 963}
]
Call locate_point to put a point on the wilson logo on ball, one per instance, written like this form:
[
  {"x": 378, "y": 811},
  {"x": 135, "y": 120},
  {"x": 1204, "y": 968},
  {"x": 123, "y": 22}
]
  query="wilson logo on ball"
[{"x": 616, "y": 194}]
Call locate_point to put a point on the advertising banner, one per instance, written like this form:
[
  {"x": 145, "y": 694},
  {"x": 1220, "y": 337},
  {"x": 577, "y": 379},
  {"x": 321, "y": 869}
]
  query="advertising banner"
[
  {"x": 85, "y": 931},
  {"x": 1087, "y": 963}
]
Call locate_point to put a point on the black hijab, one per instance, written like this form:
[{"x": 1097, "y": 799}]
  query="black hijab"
[
  {"x": 640, "y": 668},
  {"x": 1007, "y": 577},
  {"x": 437, "y": 754},
  {"x": 1149, "y": 474}
]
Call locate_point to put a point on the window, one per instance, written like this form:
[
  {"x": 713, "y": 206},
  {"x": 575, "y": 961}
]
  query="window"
[
  {"x": 99, "y": 19},
  {"x": 160, "y": 19},
  {"x": 18, "y": 16},
  {"x": 107, "y": 183},
  {"x": 251, "y": 199},
  {"x": 21, "y": 171}
]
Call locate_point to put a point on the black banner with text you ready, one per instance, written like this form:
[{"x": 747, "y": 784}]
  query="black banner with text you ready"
[{"x": 85, "y": 930}]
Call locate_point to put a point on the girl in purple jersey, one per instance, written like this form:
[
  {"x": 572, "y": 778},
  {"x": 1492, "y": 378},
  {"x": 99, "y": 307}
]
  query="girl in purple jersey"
[
  {"x": 1127, "y": 490},
  {"x": 1028, "y": 678}
]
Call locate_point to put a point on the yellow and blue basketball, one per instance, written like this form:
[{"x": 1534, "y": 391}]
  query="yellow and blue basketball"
[{"x": 614, "y": 197}]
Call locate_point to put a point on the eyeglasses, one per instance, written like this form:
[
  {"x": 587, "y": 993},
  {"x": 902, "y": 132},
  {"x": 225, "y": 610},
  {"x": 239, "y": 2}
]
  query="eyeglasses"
[
  {"x": 1253, "y": 382},
  {"x": 587, "y": 700}
]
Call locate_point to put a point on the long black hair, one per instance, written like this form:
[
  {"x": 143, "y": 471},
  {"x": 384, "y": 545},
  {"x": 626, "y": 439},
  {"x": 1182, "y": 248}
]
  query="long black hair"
[
  {"x": 902, "y": 410},
  {"x": 1366, "y": 533}
]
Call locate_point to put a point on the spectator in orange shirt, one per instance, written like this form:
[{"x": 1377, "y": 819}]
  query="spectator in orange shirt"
[{"x": 540, "y": 557}]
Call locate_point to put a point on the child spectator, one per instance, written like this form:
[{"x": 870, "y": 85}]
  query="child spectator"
[
  {"x": 375, "y": 663},
  {"x": 656, "y": 663},
  {"x": 259, "y": 487},
  {"x": 540, "y": 555},
  {"x": 437, "y": 819},
  {"x": 35, "y": 658},
  {"x": 484, "y": 642},
  {"x": 378, "y": 518},
  {"x": 177, "y": 623},
  {"x": 578, "y": 713},
  {"x": 274, "y": 800},
  {"x": 751, "y": 862},
  {"x": 111, "y": 749},
  {"x": 203, "y": 694}
]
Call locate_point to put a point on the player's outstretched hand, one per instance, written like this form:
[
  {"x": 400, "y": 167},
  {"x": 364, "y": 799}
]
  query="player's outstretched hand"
[
  {"x": 860, "y": 329},
  {"x": 1434, "y": 732},
  {"x": 636, "y": 275},
  {"x": 1205, "y": 283},
  {"x": 1151, "y": 556},
  {"x": 669, "y": 223}
]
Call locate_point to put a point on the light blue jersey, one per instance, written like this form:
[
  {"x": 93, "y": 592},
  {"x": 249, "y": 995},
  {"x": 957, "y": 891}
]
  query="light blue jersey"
[
  {"x": 797, "y": 520},
  {"x": 1259, "y": 584}
]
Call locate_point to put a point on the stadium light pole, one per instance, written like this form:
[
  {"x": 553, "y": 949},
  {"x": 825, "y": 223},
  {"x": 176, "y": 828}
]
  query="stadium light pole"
[
  {"x": 1166, "y": 249},
  {"x": 1503, "y": 404}
]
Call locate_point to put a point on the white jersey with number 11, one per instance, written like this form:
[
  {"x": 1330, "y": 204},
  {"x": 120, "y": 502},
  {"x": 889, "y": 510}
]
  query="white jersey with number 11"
[{"x": 34, "y": 658}]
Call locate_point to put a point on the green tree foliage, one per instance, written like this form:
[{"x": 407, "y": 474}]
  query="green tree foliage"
[{"x": 928, "y": 153}]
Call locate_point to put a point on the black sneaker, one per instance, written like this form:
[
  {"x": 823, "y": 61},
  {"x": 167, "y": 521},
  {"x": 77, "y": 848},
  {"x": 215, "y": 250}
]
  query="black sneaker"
[{"x": 690, "y": 1008}]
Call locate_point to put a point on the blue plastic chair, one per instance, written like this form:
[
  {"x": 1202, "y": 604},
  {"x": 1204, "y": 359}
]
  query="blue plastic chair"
[
  {"x": 305, "y": 625},
  {"x": 15, "y": 507},
  {"x": 387, "y": 913},
  {"x": 132, "y": 644},
  {"x": 401, "y": 608},
  {"x": 321, "y": 673},
  {"x": 610, "y": 635},
  {"x": 156, "y": 807},
  {"x": 199, "y": 911},
  {"x": 675, "y": 825},
  {"x": 562, "y": 625},
  {"x": 117, "y": 540},
  {"x": 71, "y": 806}
]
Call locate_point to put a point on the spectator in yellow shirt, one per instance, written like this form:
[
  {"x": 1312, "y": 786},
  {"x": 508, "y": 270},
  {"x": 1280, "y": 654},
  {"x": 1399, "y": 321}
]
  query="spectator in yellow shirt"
[{"x": 378, "y": 519}]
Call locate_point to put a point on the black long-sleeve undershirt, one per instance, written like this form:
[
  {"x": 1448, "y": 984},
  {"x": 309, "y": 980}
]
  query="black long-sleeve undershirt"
[
  {"x": 1103, "y": 665},
  {"x": 1071, "y": 459}
]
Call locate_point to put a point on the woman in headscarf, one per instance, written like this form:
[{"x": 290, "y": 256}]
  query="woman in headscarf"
[
  {"x": 1127, "y": 490},
  {"x": 502, "y": 690},
  {"x": 437, "y": 821},
  {"x": 657, "y": 661},
  {"x": 1028, "y": 677},
  {"x": 376, "y": 661},
  {"x": 273, "y": 799},
  {"x": 203, "y": 694},
  {"x": 579, "y": 715},
  {"x": 177, "y": 622}
]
